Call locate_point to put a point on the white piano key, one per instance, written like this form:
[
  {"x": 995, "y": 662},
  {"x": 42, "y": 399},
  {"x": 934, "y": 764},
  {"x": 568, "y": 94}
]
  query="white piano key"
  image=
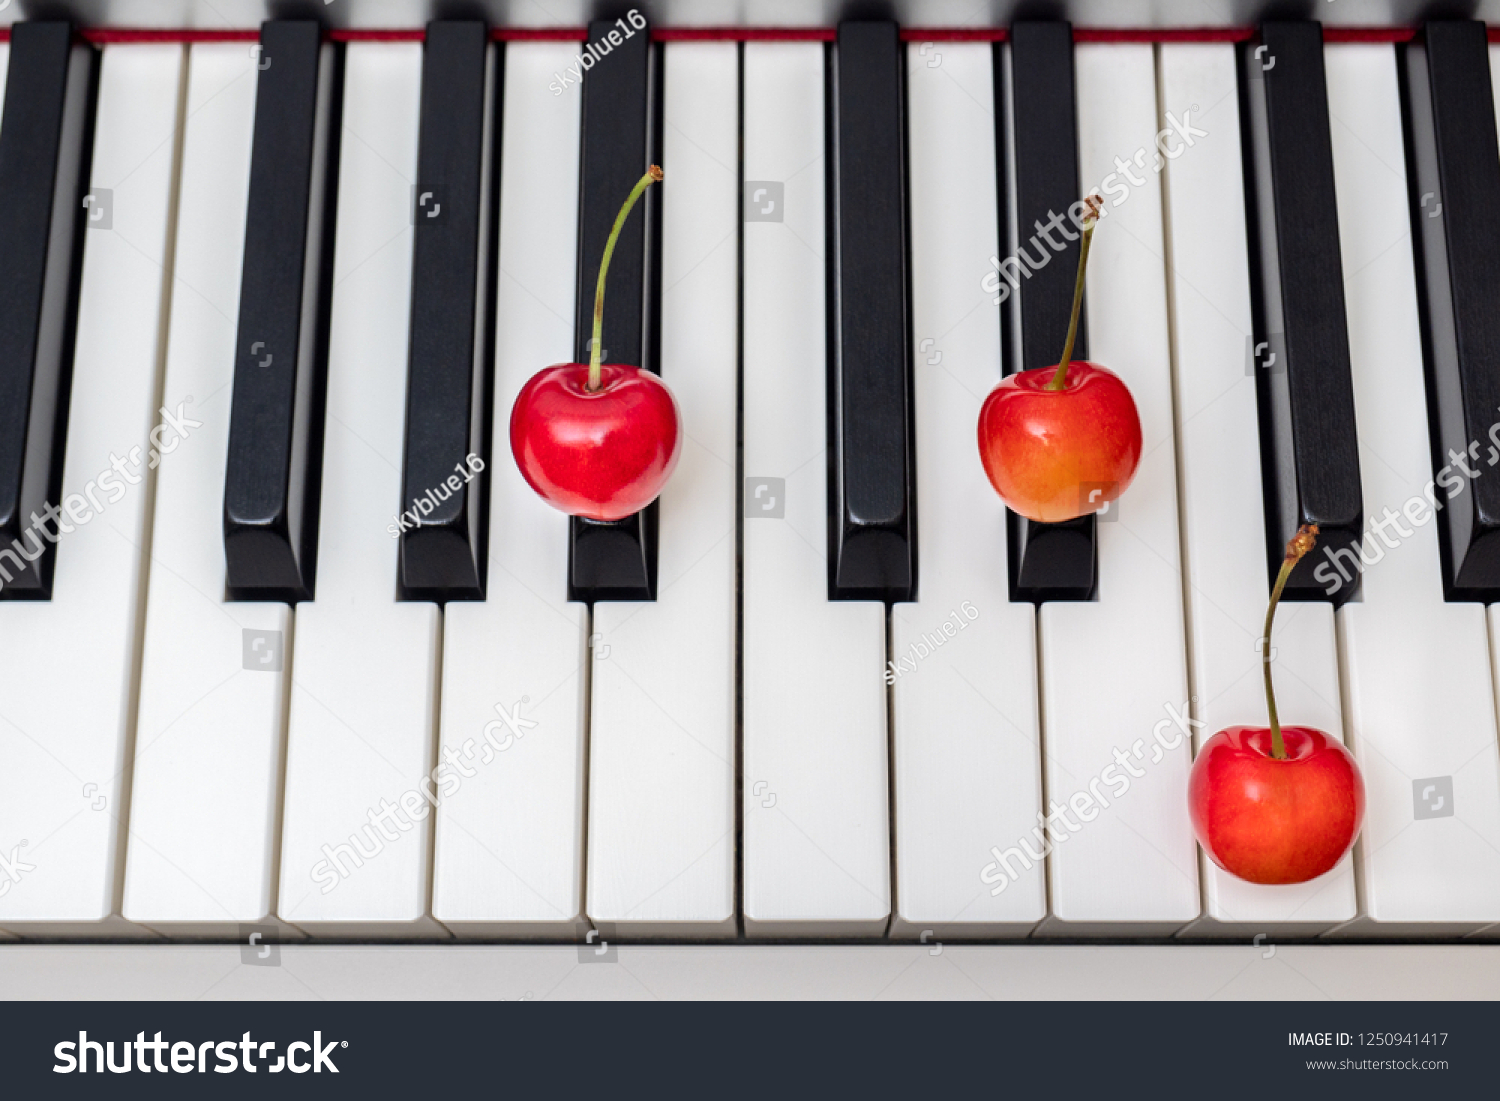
[
  {"x": 205, "y": 808},
  {"x": 1494, "y": 81},
  {"x": 1421, "y": 707},
  {"x": 1113, "y": 670},
  {"x": 510, "y": 843},
  {"x": 1493, "y": 932},
  {"x": 661, "y": 733},
  {"x": 967, "y": 756},
  {"x": 356, "y": 828},
  {"x": 1223, "y": 516},
  {"x": 816, "y": 800},
  {"x": 67, "y": 665}
]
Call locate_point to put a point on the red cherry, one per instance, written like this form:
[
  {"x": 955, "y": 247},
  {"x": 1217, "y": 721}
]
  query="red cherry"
[
  {"x": 603, "y": 454},
  {"x": 1056, "y": 454},
  {"x": 1276, "y": 804},
  {"x": 597, "y": 439},
  {"x": 1270, "y": 820}
]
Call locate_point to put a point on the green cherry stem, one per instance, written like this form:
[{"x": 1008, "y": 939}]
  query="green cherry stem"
[
  {"x": 1299, "y": 545},
  {"x": 653, "y": 175},
  {"x": 1060, "y": 379}
]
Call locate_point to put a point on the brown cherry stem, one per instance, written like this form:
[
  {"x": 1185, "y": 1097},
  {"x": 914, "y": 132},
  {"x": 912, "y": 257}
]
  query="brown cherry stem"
[
  {"x": 1299, "y": 545},
  {"x": 1060, "y": 378},
  {"x": 653, "y": 175}
]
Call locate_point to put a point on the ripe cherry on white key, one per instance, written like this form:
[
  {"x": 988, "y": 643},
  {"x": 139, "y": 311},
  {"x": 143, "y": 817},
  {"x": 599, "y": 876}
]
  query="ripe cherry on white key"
[
  {"x": 1224, "y": 541},
  {"x": 1273, "y": 805}
]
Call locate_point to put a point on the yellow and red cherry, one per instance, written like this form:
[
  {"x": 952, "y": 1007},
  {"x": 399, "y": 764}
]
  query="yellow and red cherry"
[
  {"x": 1273, "y": 804},
  {"x": 1058, "y": 442}
]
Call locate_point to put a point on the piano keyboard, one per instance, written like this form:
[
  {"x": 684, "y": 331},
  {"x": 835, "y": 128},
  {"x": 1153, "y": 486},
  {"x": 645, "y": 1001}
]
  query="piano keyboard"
[{"x": 266, "y": 298}]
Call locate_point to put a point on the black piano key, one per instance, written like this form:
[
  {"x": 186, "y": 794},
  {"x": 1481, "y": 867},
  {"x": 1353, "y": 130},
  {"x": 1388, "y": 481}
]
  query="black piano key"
[
  {"x": 872, "y": 507},
  {"x": 452, "y": 323},
  {"x": 45, "y": 148},
  {"x": 616, "y": 560},
  {"x": 1047, "y": 561},
  {"x": 1454, "y": 172},
  {"x": 273, "y": 475},
  {"x": 1310, "y": 453}
]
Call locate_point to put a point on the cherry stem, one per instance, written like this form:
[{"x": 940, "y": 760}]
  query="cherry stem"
[
  {"x": 1060, "y": 379},
  {"x": 653, "y": 175},
  {"x": 1299, "y": 545}
]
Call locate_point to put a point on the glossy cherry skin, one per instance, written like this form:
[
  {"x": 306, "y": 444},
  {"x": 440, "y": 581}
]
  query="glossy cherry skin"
[
  {"x": 603, "y": 455},
  {"x": 1056, "y": 454},
  {"x": 1270, "y": 821}
]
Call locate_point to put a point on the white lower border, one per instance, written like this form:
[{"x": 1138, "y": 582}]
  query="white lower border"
[{"x": 889, "y": 971}]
